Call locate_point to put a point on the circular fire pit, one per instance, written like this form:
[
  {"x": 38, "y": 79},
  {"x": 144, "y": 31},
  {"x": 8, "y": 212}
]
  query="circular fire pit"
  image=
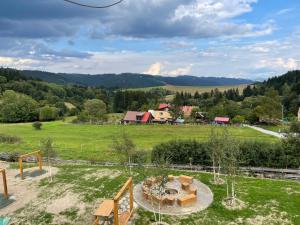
[{"x": 173, "y": 195}]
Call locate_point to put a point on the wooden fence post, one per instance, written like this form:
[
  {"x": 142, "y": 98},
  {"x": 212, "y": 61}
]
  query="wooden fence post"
[
  {"x": 116, "y": 211},
  {"x": 5, "y": 184},
  {"x": 21, "y": 167},
  {"x": 40, "y": 162}
]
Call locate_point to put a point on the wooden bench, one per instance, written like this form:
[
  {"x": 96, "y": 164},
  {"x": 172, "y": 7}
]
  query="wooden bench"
[
  {"x": 187, "y": 200},
  {"x": 170, "y": 200},
  {"x": 192, "y": 190},
  {"x": 105, "y": 210},
  {"x": 185, "y": 186},
  {"x": 185, "y": 179}
]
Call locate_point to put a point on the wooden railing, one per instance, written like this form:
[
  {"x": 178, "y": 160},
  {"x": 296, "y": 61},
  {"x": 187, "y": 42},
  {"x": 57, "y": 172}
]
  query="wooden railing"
[{"x": 38, "y": 155}]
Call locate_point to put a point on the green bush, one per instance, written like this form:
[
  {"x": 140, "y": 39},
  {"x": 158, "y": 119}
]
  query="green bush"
[
  {"x": 48, "y": 113},
  {"x": 295, "y": 127},
  {"x": 284, "y": 154},
  {"x": 37, "y": 125},
  {"x": 180, "y": 152},
  {"x": 139, "y": 157}
]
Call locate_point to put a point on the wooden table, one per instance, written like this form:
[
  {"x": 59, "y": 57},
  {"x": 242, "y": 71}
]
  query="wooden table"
[{"x": 105, "y": 209}]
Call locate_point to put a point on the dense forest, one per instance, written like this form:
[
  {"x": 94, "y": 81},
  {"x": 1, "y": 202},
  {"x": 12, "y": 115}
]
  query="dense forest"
[
  {"x": 30, "y": 99},
  {"x": 131, "y": 80}
]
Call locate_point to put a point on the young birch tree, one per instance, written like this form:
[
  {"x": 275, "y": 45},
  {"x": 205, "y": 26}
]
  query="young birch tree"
[
  {"x": 49, "y": 152},
  {"x": 231, "y": 165},
  {"x": 217, "y": 153},
  {"x": 125, "y": 146}
]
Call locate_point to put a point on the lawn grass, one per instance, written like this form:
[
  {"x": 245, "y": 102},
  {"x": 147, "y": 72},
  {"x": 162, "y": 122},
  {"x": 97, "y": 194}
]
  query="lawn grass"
[
  {"x": 93, "y": 142},
  {"x": 267, "y": 201}
]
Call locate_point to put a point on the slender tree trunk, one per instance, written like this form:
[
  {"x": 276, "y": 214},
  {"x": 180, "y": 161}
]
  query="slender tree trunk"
[
  {"x": 227, "y": 188},
  {"x": 50, "y": 169},
  {"x": 214, "y": 169}
]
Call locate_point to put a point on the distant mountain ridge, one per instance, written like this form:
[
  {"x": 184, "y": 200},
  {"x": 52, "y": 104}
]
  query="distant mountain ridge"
[{"x": 131, "y": 80}]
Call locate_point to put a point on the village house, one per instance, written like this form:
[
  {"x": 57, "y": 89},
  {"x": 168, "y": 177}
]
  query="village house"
[
  {"x": 164, "y": 107},
  {"x": 222, "y": 120},
  {"x": 161, "y": 116},
  {"x": 187, "y": 110},
  {"x": 137, "y": 117},
  {"x": 299, "y": 114}
]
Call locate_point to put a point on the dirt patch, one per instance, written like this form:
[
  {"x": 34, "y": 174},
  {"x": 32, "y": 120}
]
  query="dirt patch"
[
  {"x": 217, "y": 181},
  {"x": 236, "y": 204},
  {"x": 68, "y": 201},
  {"x": 111, "y": 174},
  {"x": 21, "y": 192},
  {"x": 272, "y": 218}
]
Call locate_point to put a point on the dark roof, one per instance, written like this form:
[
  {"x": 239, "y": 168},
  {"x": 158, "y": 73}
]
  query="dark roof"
[{"x": 131, "y": 115}]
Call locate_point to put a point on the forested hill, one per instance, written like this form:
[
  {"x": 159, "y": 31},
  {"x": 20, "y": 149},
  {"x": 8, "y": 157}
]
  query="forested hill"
[
  {"x": 291, "y": 79},
  {"x": 131, "y": 80}
]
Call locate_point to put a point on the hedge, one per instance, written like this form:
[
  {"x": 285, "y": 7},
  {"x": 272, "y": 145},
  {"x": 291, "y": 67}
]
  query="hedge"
[{"x": 284, "y": 154}]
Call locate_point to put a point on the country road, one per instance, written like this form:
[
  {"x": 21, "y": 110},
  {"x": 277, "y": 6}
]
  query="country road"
[{"x": 275, "y": 134}]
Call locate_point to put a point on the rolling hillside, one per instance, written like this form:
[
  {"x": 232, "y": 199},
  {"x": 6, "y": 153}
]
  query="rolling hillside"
[{"x": 130, "y": 80}]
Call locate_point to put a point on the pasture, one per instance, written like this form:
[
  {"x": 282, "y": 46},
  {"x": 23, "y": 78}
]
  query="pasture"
[
  {"x": 93, "y": 142},
  {"x": 193, "y": 89}
]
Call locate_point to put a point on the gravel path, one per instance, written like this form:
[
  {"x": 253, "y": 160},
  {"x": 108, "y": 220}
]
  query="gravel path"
[{"x": 275, "y": 134}]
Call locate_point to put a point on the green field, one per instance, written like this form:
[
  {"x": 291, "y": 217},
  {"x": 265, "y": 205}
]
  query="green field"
[
  {"x": 93, "y": 142},
  {"x": 266, "y": 201},
  {"x": 193, "y": 89}
]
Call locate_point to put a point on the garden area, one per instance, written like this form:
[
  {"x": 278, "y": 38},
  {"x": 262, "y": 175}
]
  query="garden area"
[{"x": 76, "y": 191}]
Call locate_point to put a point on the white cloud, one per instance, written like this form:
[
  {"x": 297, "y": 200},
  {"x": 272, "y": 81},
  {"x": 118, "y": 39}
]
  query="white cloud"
[
  {"x": 181, "y": 71},
  {"x": 21, "y": 63},
  {"x": 154, "y": 69},
  {"x": 279, "y": 63}
]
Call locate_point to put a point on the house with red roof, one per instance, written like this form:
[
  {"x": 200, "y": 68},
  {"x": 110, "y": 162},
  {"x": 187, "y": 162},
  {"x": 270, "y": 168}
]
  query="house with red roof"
[
  {"x": 137, "y": 117},
  {"x": 222, "y": 120},
  {"x": 164, "y": 107},
  {"x": 187, "y": 110}
]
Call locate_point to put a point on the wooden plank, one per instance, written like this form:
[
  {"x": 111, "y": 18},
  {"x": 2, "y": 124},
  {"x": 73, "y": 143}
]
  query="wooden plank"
[
  {"x": 121, "y": 192},
  {"x": 30, "y": 154},
  {"x": 105, "y": 209}
]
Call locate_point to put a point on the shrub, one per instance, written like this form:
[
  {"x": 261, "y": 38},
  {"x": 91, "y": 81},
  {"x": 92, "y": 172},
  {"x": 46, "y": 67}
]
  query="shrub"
[
  {"x": 9, "y": 139},
  {"x": 180, "y": 152},
  {"x": 37, "y": 125},
  {"x": 48, "y": 113},
  {"x": 295, "y": 127},
  {"x": 284, "y": 154},
  {"x": 139, "y": 157},
  {"x": 238, "y": 119}
]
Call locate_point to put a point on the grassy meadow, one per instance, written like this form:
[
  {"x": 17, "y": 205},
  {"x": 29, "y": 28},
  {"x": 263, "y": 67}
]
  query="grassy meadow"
[
  {"x": 93, "y": 142},
  {"x": 266, "y": 201},
  {"x": 193, "y": 89}
]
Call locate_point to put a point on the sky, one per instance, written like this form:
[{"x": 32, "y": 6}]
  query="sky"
[{"x": 252, "y": 39}]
